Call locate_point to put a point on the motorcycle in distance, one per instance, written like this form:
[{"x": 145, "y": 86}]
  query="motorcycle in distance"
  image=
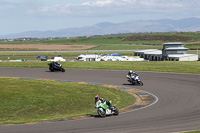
[
  {"x": 135, "y": 80},
  {"x": 103, "y": 109},
  {"x": 54, "y": 66}
]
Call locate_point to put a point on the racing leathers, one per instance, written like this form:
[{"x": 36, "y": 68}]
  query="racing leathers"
[
  {"x": 131, "y": 75},
  {"x": 102, "y": 100}
]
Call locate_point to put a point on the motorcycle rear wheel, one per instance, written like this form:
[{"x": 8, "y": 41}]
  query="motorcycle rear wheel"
[{"x": 51, "y": 69}]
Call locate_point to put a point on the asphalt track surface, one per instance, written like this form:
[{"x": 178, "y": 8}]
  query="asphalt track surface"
[{"x": 177, "y": 108}]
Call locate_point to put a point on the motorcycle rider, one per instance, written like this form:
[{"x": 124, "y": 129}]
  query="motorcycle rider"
[
  {"x": 131, "y": 75},
  {"x": 55, "y": 64},
  {"x": 98, "y": 99}
]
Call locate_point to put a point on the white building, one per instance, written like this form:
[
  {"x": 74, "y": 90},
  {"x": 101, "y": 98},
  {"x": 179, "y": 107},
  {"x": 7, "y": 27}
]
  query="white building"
[
  {"x": 57, "y": 59},
  {"x": 109, "y": 57},
  {"x": 149, "y": 54},
  {"x": 89, "y": 57},
  {"x": 183, "y": 57},
  {"x": 174, "y": 51}
]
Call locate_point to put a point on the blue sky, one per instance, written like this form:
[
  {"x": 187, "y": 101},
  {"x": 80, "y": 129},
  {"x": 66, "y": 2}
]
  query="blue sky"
[{"x": 41, "y": 15}]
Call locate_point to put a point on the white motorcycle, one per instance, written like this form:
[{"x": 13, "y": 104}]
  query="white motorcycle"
[
  {"x": 103, "y": 109},
  {"x": 135, "y": 80}
]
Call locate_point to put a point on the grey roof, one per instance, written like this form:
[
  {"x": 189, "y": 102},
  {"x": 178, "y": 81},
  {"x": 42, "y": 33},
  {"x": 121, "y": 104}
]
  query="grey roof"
[
  {"x": 156, "y": 52},
  {"x": 172, "y": 43},
  {"x": 146, "y": 50},
  {"x": 176, "y": 48},
  {"x": 181, "y": 55}
]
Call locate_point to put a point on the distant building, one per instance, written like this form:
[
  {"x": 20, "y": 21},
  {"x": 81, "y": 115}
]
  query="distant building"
[
  {"x": 108, "y": 57},
  {"x": 149, "y": 54},
  {"x": 174, "y": 51}
]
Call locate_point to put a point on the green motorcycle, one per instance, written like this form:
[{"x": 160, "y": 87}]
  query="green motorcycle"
[{"x": 103, "y": 109}]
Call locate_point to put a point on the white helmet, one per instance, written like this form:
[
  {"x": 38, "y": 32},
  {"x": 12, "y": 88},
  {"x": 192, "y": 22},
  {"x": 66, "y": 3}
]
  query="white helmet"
[{"x": 130, "y": 71}]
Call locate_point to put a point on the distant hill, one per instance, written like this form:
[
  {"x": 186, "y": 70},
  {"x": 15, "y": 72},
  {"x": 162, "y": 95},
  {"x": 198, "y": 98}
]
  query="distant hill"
[{"x": 132, "y": 26}]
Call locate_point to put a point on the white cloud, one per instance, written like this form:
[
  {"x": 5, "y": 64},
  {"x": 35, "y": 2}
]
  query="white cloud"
[
  {"x": 54, "y": 10},
  {"x": 104, "y": 7},
  {"x": 130, "y": 1},
  {"x": 98, "y": 3}
]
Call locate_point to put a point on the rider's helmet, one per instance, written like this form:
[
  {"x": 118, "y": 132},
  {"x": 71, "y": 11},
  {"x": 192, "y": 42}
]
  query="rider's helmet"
[
  {"x": 130, "y": 72},
  {"x": 97, "y": 97}
]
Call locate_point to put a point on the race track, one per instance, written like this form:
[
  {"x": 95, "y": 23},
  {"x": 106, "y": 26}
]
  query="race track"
[{"x": 177, "y": 108}]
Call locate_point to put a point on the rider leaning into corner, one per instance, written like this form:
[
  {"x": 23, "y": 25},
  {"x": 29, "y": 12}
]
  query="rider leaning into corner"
[
  {"x": 131, "y": 74},
  {"x": 98, "y": 99},
  {"x": 55, "y": 64}
]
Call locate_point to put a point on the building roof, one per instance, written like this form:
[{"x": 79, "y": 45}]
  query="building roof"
[
  {"x": 172, "y": 43},
  {"x": 156, "y": 52},
  {"x": 146, "y": 50},
  {"x": 150, "y": 51},
  {"x": 176, "y": 48},
  {"x": 181, "y": 55}
]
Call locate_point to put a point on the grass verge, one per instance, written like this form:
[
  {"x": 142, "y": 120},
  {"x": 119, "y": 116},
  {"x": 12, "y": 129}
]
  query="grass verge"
[
  {"x": 13, "y": 55},
  {"x": 26, "y": 100},
  {"x": 157, "y": 66},
  {"x": 142, "y": 38},
  {"x": 66, "y": 55},
  {"x": 191, "y": 132}
]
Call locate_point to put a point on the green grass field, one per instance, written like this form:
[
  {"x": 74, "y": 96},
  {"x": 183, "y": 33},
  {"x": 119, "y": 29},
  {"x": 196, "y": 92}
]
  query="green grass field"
[
  {"x": 125, "y": 47},
  {"x": 191, "y": 132},
  {"x": 121, "y": 41},
  {"x": 13, "y": 55},
  {"x": 157, "y": 66},
  {"x": 26, "y": 100}
]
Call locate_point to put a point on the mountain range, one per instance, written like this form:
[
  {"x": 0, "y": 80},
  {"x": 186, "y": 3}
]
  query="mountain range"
[{"x": 131, "y": 26}]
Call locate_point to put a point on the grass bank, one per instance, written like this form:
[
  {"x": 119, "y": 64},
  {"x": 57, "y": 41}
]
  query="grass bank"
[
  {"x": 26, "y": 100},
  {"x": 120, "y": 41},
  {"x": 191, "y": 132},
  {"x": 157, "y": 66}
]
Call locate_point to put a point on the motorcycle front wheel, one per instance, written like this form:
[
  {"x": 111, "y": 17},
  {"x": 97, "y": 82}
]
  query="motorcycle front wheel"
[
  {"x": 101, "y": 112},
  {"x": 63, "y": 70},
  {"x": 115, "y": 110},
  {"x": 140, "y": 83}
]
